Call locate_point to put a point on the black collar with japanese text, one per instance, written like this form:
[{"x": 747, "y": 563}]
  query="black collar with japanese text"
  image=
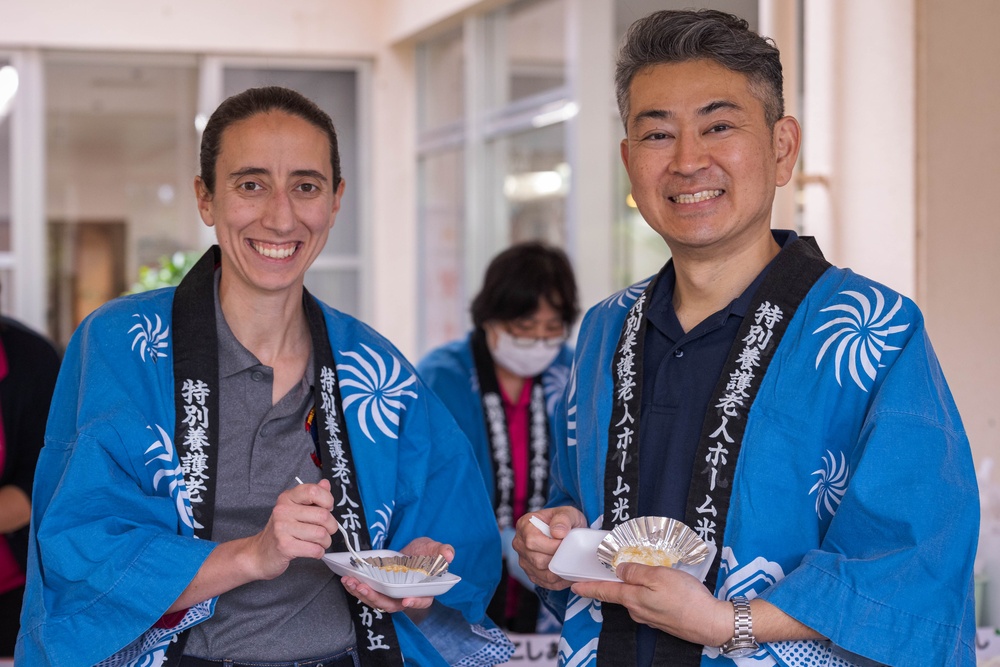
[
  {"x": 795, "y": 270},
  {"x": 196, "y": 435}
]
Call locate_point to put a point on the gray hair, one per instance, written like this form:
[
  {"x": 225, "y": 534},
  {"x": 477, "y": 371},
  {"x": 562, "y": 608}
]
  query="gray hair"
[{"x": 677, "y": 36}]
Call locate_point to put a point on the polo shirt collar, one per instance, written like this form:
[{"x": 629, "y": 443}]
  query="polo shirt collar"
[
  {"x": 661, "y": 309},
  {"x": 233, "y": 356}
]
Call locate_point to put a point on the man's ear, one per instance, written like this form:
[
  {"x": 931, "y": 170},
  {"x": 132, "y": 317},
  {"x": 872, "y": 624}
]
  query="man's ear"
[
  {"x": 204, "y": 198},
  {"x": 623, "y": 148},
  {"x": 787, "y": 140}
]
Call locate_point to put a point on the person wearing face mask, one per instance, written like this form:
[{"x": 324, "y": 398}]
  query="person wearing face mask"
[{"x": 501, "y": 383}]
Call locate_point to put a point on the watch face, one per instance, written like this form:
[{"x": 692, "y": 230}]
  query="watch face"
[{"x": 741, "y": 652}]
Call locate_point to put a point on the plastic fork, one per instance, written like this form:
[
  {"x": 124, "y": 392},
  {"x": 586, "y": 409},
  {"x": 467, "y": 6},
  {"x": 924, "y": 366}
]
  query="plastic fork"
[{"x": 355, "y": 556}]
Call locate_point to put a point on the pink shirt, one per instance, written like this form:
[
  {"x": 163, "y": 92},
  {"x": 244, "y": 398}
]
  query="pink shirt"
[
  {"x": 517, "y": 435},
  {"x": 11, "y": 575},
  {"x": 518, "y": 415}
]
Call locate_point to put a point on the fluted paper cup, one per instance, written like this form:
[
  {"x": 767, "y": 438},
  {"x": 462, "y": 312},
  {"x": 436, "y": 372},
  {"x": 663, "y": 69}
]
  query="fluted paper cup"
[
  {"x": 651, "y": 540},
  {"x": 402, "y": 569}
]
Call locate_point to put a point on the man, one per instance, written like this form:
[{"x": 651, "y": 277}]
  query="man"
[{"x": 792, "y": 413}]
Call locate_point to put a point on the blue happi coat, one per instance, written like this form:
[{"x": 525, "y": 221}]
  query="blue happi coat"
[
  {"x": 112, "y": 538},
  {"x": 451, "y": 373},
  {"x": 854, "y": 505}
]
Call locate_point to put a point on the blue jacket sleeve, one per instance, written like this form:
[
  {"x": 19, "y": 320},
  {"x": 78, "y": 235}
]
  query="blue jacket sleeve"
[{"x": 896, "y": 560}]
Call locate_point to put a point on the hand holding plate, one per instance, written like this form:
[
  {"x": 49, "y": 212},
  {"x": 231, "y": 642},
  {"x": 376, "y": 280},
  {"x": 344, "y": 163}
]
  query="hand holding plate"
[
  {"x": 535, "y": 549},
  {"x": 668, "y": 599}
]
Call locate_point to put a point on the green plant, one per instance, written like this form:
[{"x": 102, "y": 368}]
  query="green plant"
[{"x": 168, "y": 272}]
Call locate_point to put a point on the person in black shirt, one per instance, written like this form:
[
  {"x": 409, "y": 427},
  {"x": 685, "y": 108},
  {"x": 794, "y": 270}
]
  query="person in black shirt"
[{"x": 28, "y": 368}]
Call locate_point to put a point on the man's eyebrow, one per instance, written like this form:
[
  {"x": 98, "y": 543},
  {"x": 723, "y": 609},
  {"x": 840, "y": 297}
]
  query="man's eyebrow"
[
  {"x": 712, "y": 107},
  {"x": 653, "y": 114},
  {"x": 666, "y": 114}
]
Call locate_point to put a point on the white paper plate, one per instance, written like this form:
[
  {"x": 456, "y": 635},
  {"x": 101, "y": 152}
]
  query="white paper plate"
[
  {"x": 340, "y": 563},
  {"x": 576, "y": 558}
]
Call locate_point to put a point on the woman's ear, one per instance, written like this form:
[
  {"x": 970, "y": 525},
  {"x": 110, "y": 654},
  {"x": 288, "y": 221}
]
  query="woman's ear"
[
  {"x": 337, "y": 197},
  {"x": 204, "y": 198}
]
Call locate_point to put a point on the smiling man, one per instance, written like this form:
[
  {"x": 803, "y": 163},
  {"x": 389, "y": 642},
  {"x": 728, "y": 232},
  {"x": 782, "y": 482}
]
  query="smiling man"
[{"x": 792, "y": 413}]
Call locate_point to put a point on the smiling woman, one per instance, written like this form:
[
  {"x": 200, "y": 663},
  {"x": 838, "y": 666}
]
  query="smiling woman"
[
  {"x": 273, "y": 206},
  {"x": 202, "y": 511}
]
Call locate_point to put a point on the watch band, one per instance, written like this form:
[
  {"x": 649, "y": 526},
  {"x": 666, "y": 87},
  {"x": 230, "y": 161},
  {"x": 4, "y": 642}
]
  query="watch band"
[{"x": 743, "y": 642}]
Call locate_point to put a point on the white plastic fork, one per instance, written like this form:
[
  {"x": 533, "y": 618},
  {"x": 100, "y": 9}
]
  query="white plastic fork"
[
  {"x": 361, "y": 564},
  {"x": 540, "y": 525}
]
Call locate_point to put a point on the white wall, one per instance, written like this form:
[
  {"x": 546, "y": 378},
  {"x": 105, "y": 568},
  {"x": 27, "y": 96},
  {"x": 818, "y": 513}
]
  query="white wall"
[
  {"x": 959, "y": 168},
  {"x": 408, "y": 20},
  {"x": 859, "y": 134},
  {"x": 302, "y": 27}
]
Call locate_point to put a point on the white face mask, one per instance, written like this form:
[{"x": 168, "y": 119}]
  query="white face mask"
[{"x": 525, "y": 361}]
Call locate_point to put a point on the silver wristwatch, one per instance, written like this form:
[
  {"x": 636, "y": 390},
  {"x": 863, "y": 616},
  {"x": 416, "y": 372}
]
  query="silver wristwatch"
[{"x": 743, "y": 643}]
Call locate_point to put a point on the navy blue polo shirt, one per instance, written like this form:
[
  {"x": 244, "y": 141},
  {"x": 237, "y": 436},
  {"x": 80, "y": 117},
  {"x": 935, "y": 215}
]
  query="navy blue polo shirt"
[{"x": 679, "y": 373}]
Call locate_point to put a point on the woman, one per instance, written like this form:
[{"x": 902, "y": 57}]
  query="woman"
[
  {"x": 501, "y": 383},
  {"x": 168, "y": 495}
]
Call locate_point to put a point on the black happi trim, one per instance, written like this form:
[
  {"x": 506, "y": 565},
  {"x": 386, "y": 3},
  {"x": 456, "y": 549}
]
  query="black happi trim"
[
  {"x": 196, "y": 358},
  {"x": 497, "y": 432},
  {"x": 375, "y": 633},
  {"x": 621, "y": 469},
  {"x": 196, "y": 364},
  {"x": 796, "y": 269}
]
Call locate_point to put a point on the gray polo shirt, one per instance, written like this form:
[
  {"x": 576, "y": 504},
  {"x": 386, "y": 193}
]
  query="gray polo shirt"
[{"x": 303, "y": 613}]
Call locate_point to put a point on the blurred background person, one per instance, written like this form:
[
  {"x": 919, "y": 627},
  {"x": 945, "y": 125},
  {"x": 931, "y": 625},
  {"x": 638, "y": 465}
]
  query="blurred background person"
[
  {"x": 501, "y": 383},
  {"x": 28, "y": 368}
]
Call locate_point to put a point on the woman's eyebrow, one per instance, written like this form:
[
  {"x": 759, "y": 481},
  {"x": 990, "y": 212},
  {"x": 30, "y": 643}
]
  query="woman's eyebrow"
[{"x": 261, "y": 171}]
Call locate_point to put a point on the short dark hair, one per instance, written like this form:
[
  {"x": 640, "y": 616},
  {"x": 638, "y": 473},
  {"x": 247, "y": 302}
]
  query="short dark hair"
[
  {"x": 255, "y": 101},
  {"x": 670, "y": 36},
  {"x": 521, "y": 275}
]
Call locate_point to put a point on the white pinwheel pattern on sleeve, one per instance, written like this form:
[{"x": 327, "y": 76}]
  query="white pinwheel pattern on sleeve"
[
  {"x": 571, "y": 409},
  {"x": 161, "y": 453},
  {"x": 380, "y": 529},
  {"x": 374, "y": 386},
  {"x": 626, "y": 297},
  {"x": 553, "y": 382},
  {"x": 860, "y": 335},
  {"x": 832, "y": 483},
  {"x": 149, "y": 337}
]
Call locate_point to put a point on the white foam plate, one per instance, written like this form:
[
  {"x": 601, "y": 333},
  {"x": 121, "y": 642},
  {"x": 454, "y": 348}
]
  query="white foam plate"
[
  {"x": 576, "y": 558},
  {"x": 340, "y": 563}
]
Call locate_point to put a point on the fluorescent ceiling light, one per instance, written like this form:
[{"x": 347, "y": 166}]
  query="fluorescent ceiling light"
[
  {"x": 555, "y": 113},
  {"x": 531, "y": 185},
  {"x": 8, "y": 88}
]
